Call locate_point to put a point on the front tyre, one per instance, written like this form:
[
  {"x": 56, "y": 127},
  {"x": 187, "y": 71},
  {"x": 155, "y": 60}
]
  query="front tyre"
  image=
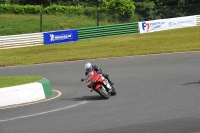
[
  {"x": 103, "y": 93},
  {"x": 113, "y": 92}
]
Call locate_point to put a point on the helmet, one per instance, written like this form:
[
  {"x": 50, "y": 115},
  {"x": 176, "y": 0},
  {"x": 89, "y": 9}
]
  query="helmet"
[{"x": 88, "y": 67}]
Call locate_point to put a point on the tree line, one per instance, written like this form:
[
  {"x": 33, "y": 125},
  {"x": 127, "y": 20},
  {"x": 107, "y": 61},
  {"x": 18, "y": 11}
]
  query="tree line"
[
  {"x": 95, "y": 2},
  {"x": 123, "y": 10}
]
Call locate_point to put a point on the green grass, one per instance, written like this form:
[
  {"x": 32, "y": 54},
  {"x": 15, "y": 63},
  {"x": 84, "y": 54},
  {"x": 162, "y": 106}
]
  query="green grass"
[
  {"x": 180, "y": 40},
  {"x": 17, "y": 80},
  {"x": 31, "y": 23}
]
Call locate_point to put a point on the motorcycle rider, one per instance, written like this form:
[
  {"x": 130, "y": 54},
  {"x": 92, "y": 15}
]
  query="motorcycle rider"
[{"x": 90, "y": 67}]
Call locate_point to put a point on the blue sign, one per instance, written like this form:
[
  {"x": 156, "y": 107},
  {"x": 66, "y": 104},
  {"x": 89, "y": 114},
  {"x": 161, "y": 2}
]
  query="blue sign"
[{"x": 62, "y": 36}]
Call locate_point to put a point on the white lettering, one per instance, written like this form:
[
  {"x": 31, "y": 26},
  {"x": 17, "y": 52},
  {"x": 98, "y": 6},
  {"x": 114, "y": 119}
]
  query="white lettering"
[{"x": 59, "y": 37}]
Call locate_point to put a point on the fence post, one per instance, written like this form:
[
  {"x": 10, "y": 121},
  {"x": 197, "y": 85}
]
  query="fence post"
[
  {"x": 98, "y": 12},
  {"x": 154, "y": 12},
  {"x": 40, "y": 21},
  {"x": 98, "y": 2}
]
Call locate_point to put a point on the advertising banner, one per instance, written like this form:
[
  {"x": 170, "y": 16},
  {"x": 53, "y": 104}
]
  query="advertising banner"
[
  {"x": 62, "y": 36},
  {"x": 182, "y": 22},
  {"x": 166, "y": 24}
]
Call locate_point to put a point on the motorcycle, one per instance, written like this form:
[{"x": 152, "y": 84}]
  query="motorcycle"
[{"x": 99, "y": 84}]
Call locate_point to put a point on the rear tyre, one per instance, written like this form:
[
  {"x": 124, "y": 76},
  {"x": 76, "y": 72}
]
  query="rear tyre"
[{"x": 103, "y": 93}]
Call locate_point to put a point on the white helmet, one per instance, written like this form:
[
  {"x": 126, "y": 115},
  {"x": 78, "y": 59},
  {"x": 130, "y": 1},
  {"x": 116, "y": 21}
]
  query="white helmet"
[{"x": 88, "y": 67}]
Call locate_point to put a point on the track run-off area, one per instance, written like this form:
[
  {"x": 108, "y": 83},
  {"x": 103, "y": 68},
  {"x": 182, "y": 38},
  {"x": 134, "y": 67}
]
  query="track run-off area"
[{"x": 155, "y": 94}]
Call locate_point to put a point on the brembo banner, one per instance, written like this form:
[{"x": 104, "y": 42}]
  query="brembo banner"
[
  {"x": 167, "y": 24},
  {"x": 62, "y": 36}
]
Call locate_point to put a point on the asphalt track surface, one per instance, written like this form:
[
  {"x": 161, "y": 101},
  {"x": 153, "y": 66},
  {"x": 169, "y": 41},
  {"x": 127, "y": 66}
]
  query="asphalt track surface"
[{"x": 155, "y": 94}]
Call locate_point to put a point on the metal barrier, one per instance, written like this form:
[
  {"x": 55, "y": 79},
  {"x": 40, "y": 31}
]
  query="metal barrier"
[
  {"x": 22, "y": 40},
  {"x": 109, "y": 30},
  {"x": 198, "y": 19}
]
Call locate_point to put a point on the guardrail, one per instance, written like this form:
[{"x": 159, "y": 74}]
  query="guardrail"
[
  {"x": 198, "y": 19},
  {"x": 22, "y": 40},
  {"x": 109, "y": 30}
]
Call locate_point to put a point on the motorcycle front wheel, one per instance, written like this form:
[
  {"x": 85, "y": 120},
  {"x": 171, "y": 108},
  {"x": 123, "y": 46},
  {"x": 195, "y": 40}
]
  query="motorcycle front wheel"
[
  {"x": 113, "y": 92},
  {"x": 102, "y": 92}
]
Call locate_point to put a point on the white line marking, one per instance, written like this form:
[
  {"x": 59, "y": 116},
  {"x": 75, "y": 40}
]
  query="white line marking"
[{"x": 26, "y": 116}]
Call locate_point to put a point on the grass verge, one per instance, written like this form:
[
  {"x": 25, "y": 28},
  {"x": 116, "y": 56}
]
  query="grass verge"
[
  {"x": 28, "y": 23},
  {"x": 17, "y": 80}
]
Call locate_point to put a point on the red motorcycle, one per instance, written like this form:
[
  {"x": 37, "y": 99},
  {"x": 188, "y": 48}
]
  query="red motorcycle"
[{"x": 99, "y": 84}]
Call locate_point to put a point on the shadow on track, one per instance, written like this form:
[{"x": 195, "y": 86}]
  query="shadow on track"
[
  {"x": 198, "y": 82},
  {"x": 89, "y": 98}
]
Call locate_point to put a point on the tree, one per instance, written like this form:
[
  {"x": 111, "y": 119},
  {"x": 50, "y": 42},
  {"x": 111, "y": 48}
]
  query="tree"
[
  {"x": 144, "y": 9},
  {"x": 121, "y": 9},
  {"x": 176, "y": 8},
  {"x": 35, "y": 2}
]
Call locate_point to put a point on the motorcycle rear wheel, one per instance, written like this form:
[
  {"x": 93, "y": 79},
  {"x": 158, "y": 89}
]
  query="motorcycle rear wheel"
[{"x": 103, "y": 93}]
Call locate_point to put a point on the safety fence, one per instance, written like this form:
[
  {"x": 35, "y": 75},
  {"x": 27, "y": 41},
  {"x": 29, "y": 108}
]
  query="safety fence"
[
  {"x": 25, "y": 40},
  {"x": 198, "y": 19},
  {"x": 22, "y": 40},
  {"x": 109, "y": 30}
]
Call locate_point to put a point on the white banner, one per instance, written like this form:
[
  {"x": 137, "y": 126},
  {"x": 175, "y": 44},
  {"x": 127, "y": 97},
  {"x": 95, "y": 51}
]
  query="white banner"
[{"x": 166, "y": 24}]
